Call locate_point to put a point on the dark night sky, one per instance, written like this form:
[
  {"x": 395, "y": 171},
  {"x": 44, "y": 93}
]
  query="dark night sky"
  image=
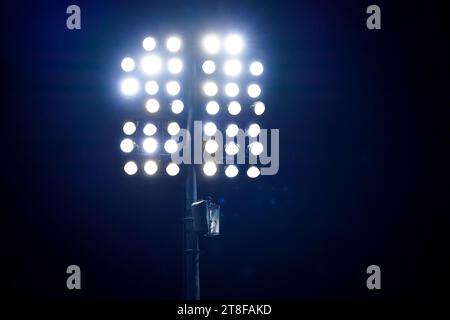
[{"x": 361, "y": 116}]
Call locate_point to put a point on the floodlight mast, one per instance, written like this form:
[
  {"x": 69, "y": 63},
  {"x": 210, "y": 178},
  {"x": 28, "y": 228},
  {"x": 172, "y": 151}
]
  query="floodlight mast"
[
  {"x": 191, "y": 256},
  {"x": 130, "y": 86}
]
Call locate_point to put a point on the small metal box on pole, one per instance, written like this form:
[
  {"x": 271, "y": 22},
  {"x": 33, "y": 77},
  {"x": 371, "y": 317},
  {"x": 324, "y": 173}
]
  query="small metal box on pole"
[{"x": 206, "y": 217}]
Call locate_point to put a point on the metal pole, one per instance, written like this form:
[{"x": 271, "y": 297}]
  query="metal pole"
[{"x": 190, "y": 237}]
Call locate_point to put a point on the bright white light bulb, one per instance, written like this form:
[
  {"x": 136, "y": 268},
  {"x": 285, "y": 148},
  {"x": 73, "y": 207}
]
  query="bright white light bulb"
[
  {"x": 150, "y": 167},
  {"x": 209, "y": 67},
  {"x": 173, "y": 88},
  {"x": 211, "y": 146},
  {"x": 173, "y": 44},
  {"x": 151, "y": 65},
  {"x": 173, "y": 128},
  {"x": 149, "y": 44},
  {"x": 211, "y": 44},
  {"x": 256, "y": 148},
  {"x": 210, "y": 129},
  {"x": 152, "y": 105},
  {"x": 231, "y": 171},
  {"x": 232, "y": 130},
  {"x": 234, "y": 108},
  {"x": 253, "y": 172},
  {"x": 234, "y": 44},
  {"x": 232, "y": 90},
  {"x": 172, "y": 169},
  {"x": 209, "y": 168},
  {"x": 171, "y": 146},
  {"x": 256, "y": 68},
  {"x": 253, "y": 130},
  {"x": 152, "y": 87},
  {"x": 212, "y": 107},
  {"x": 210, "y": 88},
  {"x": 175, "y": 65},
  {"x": 127, "y": 145},
  {"x": 129, "y": 86},
  {"x": 149, "y": 129},
  {"x": 254, "y": 90},
  {"x": 259, "y": 108},
  {"x": 129, "y": 128},
  {"x": 177, "y": 106},
  {"x": 130, "y": 168},
  {"x": 232, "y": 67},
  {"x": 231, "y": 148},
  {"x": 150, "y": 145},
  {"x": 127, "y": 64}
]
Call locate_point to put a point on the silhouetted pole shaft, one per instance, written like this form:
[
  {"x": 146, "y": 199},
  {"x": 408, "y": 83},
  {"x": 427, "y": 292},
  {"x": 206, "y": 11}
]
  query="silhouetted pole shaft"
[{"x": 191, "y": 247}]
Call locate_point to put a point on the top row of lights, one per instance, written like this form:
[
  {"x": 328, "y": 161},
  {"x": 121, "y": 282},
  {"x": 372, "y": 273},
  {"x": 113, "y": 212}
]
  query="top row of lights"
[
  {"x": 212, "y": 44},
  {"x": 173, "y": 44},
  {"x": 233, "y": 44}
]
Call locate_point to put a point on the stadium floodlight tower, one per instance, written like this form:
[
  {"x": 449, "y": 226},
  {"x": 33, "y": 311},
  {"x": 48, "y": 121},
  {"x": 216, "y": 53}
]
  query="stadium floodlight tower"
[{"x": 171, "y": 81}]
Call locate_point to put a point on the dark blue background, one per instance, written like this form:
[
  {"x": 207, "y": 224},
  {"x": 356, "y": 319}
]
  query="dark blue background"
[{"x": 362, "y": 180}]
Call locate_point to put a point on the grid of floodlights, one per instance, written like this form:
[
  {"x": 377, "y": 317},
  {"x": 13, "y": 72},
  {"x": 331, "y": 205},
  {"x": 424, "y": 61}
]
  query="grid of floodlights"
[
  {"x": 221, "y": 57},
  {"x": 156, "y": 75},
  {"x": 230, "y": 88}
]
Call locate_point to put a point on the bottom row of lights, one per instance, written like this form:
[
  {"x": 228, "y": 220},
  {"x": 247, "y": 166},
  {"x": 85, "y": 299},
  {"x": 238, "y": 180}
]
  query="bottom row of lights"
[
  {"x": 150, "y": 168},
  {"x": 172, "y": 169}
]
